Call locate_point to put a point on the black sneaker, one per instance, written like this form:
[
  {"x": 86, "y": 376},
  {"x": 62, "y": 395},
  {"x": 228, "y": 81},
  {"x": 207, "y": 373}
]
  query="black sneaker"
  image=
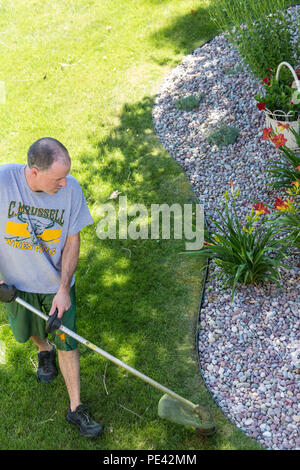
[
  {"x": 47, "y": 370},
  {"x": 86, "y": 425}
]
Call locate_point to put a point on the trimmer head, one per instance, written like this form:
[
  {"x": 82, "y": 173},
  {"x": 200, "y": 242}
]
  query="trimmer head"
[
  {"x": 179, "y": 413},
  {"x": 7, "y": 293}
]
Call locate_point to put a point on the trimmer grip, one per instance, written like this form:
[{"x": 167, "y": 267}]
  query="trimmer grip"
[
  {"x": 7, "y": 293},
  {"x": 53, "y": 323}
]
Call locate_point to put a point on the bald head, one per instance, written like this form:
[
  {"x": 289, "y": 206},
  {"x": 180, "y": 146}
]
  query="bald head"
[{"x": 44, "y": 152}]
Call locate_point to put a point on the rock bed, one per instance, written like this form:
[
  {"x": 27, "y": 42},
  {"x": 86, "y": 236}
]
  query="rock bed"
[{"x": 248, "y": 347}]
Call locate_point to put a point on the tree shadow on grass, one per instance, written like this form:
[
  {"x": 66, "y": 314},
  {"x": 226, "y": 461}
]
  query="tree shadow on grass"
[
  {"x": 134, "y": 290},
  {"x": 140, "y": 296},
  {"x": 134, "y": 277},
  {"x": 187, "y": 32}
]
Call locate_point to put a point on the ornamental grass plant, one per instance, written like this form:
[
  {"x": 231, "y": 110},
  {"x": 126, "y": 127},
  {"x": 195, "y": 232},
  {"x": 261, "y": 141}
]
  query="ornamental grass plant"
[
  {"x": 263, "y": 32},
  {"x": 246, "y": 254}
]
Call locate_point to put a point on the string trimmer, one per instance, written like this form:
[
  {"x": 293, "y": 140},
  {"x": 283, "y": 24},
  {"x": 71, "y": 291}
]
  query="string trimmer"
[{"x": 171, "y": 406}]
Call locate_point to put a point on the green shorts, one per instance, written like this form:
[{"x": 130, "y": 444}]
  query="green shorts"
[{"x": 25, "y": 323}]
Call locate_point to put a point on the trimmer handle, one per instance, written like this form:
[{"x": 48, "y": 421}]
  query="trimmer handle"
[
  {"x": 53, "y": 323},
  {"x": 10, "y": 293},
  {"x": 7, "y": 293}
]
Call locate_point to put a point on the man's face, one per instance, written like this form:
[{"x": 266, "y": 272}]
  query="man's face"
[{"x": 52, "y": 180}]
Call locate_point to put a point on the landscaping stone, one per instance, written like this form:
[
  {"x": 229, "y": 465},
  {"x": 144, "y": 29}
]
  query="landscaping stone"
[{"x": 245, "y": 347}]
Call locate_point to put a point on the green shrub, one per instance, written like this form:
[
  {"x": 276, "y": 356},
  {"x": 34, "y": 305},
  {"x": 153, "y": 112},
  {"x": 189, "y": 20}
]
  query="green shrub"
[
  {"x": 223, "y": 135},
  {"x": 189, "y": 102}
]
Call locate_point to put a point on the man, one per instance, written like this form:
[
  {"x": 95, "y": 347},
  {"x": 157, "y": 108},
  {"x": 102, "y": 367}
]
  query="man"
[{"x": 42, "y": 210}]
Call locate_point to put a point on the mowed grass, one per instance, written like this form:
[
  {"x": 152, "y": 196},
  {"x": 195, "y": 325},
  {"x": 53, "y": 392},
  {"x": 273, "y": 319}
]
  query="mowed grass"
[{"x": 86, "y": 73}]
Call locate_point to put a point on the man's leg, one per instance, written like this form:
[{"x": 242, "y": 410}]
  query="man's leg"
[
  {"x": 70, "y": 368},
  {"x": 77, "y": 413},
  {"x": 42, "y": 344},
  {"x": 69, "y": 363},
  {"x": 47, "y": 370}
]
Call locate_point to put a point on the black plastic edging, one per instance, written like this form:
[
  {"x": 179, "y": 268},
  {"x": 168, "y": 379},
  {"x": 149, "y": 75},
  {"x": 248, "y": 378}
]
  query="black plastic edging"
[{"x": 198, "y": 331}]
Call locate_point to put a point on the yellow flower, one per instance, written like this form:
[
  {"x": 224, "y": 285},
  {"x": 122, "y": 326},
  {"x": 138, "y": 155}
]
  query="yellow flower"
[
  {"x": 250, "y": 230},
  {"x": 295, "y": 188}
]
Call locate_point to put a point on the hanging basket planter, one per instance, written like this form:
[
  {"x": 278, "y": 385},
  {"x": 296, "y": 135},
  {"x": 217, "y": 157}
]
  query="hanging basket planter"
[
  {"x": 276, "y": 119},
  {"x": 280, "y": 121}
]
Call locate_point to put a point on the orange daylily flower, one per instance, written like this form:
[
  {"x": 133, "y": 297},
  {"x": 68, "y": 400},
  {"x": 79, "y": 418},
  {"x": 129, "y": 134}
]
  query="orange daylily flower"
[
  {"x": 283, "y": 206},
  {"x": 294, "y": 190},
  {"x": 279, "y": 140},
  {"x": 283, "y": 126},
  {"x": 268, "y": 133},
  {"x": 261, "y": 209}
]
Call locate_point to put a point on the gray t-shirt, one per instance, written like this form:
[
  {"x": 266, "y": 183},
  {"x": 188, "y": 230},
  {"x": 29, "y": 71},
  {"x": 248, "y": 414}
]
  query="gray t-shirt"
[{"x": 34, "y": 227}]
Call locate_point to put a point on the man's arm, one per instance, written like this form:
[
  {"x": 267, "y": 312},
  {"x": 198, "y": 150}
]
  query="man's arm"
[{"x": 70, "y": 257}]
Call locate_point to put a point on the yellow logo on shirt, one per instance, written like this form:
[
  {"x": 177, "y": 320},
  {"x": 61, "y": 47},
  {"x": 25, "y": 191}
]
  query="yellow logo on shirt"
[
  {"x": 33, "y": 227},
  {"x": 21, "y": 230}
]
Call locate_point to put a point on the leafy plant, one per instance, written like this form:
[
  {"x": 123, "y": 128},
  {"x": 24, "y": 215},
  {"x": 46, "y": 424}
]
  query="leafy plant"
[
  {"x": 223, "y": 135},
  {"x": 246, "y": 254},
  {"x": 287, "y": 171},
  {"x": 289, "y": 223},
  {"x": 279, "y": 94},
  {"x": 287, "y": 215},
  {"x": 189, "y": 102}
]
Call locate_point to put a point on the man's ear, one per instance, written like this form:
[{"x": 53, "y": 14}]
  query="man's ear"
[{"x": 34, "y": 171}]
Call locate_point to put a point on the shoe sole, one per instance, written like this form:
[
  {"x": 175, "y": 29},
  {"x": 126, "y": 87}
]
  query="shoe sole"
[
  {"x": 83, "y": 433},
  {"x": 45, "y": 380}
]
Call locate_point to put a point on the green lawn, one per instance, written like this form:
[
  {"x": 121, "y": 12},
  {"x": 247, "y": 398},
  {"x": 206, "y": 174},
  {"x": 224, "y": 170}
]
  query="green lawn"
[{"x": 86, "y": 72}]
